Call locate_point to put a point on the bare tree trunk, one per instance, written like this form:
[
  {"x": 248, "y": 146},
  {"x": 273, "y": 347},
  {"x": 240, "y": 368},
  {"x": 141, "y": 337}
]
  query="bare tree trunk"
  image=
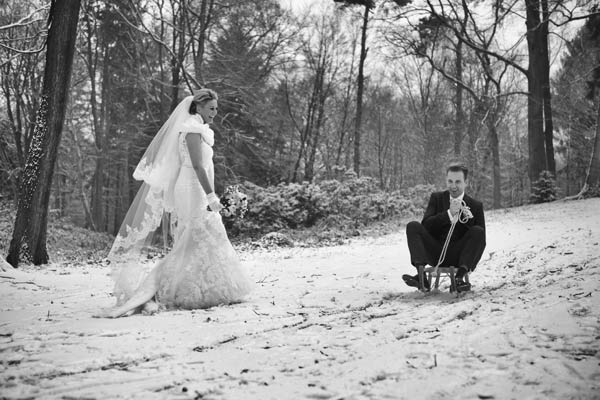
[
  {"x": 322, "y": 92},
  {"x": 535, "y": 100},
  {"x": 101, "y": 134},
  {"x": 81, "y": 180},
  {"x": 547, "y": 95},
  {"x": 206, "y": 8},
  {"x": 177, "y": 62},
  {"x": 592, "y": 178},
  {"x": 346, "y": 107},
  {"x": 473, "y": 133},
  {"x": 359, "y": 91},
  {"x": 29, "y": 234},
  {"x": 398, "y": 171},
  {"x": 91, "y": 61},
  {"x": 305, "y": 134},
  {"x": 496, "y": 177},
  {"x": 458, "y": 126},
  {"x": 309, "y": 169},
  {"x": 381, "y": 143}
]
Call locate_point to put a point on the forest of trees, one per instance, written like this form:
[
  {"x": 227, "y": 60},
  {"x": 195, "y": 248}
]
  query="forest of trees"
[{"x": 389, "y": 89}]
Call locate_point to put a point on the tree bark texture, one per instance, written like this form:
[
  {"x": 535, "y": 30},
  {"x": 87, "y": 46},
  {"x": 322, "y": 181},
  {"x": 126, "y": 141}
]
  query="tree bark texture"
[
  {"x": 346, "y": 103},
  {"x": 91, "y": 64},
  {"x": 458, "y": 127},
  {"x": 321, "y": 93},
  {"x": 177, "y": 62},
  {"x": 359, "y": 91},
  {"x": 535, "y": 103},
  {"x": 546, "y": 94},
  {"x": 206, "y": 8},
  {"x": 494, "y": 147},
  {"x": 101, "y": 145},
  {"x": 593, "y": 174},
  {"x": 29, "y": 234}
]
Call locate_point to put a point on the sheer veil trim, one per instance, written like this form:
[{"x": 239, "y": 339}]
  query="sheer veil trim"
[{"x": 154, "y": 202}]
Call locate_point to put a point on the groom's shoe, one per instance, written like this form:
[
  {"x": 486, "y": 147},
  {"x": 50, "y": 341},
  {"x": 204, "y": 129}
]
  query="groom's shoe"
[
  {"x": 413, "y": 281},
  {"x": 462, "y": 286}
]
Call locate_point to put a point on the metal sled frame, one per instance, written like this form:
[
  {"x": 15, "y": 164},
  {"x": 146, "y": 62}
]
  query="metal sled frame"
[{"x": 438, "y": 272}]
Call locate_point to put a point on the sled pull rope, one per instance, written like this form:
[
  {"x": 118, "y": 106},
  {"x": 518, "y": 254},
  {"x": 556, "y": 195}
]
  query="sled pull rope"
[{"x": 464, "y": 214}]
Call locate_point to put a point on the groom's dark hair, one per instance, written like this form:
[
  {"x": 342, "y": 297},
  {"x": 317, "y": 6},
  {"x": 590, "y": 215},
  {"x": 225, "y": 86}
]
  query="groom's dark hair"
[{"x": 458, "y": 167}]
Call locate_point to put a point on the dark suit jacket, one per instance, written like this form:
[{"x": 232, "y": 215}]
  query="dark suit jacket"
[{"x": 437, "y": 222}]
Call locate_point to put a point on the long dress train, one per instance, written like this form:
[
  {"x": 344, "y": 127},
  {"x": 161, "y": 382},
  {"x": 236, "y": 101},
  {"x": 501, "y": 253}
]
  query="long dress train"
[{"x": 202, "y": 270}]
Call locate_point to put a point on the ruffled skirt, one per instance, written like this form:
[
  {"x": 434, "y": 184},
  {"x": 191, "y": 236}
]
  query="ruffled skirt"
[{"x": 203, "y": 269}]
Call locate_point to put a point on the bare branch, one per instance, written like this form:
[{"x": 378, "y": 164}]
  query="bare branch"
[
  {"x": 27, "y": 19},
  {"x": 572, "y": 18},
  {"x": 35, "y": 51},
  {"x": 466, "y": 40},
  {"x": 149, "y": 32}
]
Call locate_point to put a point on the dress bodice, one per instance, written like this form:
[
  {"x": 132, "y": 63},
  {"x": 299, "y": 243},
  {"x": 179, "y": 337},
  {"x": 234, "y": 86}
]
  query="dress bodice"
[
  {"x": 189, "y": 195},
  {"x": 184, "y": 153},
  {"x": 194, "y": 125}
]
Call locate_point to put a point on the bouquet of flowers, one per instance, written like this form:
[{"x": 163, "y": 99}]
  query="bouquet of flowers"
[{"x": 234, "y": 202}]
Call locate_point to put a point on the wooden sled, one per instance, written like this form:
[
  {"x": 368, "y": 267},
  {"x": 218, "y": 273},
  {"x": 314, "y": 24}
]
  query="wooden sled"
[{"x": 439, "y": 271}]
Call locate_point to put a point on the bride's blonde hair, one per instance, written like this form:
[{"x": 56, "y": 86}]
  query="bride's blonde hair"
[{"x": 202, "y": 96}]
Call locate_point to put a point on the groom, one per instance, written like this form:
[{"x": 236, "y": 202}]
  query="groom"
[{"x": 426, "y": 239}]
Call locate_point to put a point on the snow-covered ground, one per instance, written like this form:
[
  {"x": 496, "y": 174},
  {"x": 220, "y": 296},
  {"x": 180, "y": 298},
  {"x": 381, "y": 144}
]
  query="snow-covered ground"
[{"x": 330, "y": 323}]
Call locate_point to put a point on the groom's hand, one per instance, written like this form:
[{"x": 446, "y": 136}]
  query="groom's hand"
[{"x": 454, "y": 206}]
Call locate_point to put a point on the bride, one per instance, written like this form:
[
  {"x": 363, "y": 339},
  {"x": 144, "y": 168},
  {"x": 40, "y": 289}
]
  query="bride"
[{"x": 202, "y": 269}]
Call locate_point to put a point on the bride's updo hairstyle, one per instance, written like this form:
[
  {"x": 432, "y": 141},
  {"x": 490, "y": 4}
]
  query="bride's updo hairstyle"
[{"x": 202, "y": 96}]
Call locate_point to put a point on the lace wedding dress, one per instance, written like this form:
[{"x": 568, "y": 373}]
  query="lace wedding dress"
[{"x": 202, "y": 269}]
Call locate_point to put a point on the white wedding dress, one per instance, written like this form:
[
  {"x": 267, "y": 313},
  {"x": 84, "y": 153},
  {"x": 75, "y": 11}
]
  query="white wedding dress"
[{"x": 202, "y": 269}]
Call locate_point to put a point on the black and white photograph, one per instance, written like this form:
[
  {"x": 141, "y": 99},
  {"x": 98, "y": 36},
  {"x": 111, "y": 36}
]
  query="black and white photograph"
[{"x": 300, "y": 199}]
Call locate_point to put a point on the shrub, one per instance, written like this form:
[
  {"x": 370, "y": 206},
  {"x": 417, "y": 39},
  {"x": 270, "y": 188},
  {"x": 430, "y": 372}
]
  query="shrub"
[
  {"x": 345, "y": 204},
  {"x": 544, "y": 189}
]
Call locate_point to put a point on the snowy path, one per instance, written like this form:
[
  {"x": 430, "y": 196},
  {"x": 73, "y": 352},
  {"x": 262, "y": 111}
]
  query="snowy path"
[{"x": 330, "y": 323}]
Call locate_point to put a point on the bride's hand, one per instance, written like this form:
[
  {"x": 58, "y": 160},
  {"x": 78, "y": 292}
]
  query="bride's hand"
[
  {"x": 213, "y": 202},
  {"x": 215, "y": 206}
]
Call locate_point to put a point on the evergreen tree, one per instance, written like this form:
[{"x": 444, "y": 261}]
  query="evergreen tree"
[{"x": 544, "y": 189}]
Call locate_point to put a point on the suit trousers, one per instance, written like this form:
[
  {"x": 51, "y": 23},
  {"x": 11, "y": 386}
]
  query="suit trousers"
[{"x": 425, "y": 249}]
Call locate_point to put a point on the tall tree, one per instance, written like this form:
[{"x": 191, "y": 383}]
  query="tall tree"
[
  {"x": 577, "y": 86},
  {"x": 315, "y": 87},
  {"x": 541, "y": 150},
  {"x": 424, "y": 92},
  {"x": 250, "y": 41},
  {"x": 360, "y": 80},
  {"x": 29, "y": 234},
  {"x": 22, "y": 40},
  {"x": 198, "y": 20},
  {"x": 538, "y": 17},
  {"x": 592, "y": 178}
]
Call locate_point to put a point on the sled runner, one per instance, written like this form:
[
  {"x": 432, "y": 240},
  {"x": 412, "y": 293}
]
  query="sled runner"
[{"x": 438, "y": 272}]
